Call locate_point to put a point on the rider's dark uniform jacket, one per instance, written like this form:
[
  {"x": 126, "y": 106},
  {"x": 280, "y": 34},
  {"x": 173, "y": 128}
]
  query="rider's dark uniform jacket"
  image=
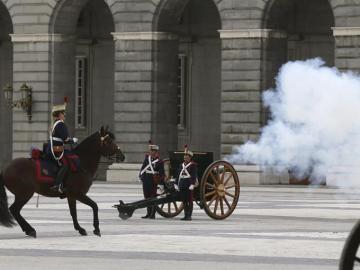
[
  {"x": 59, "y": 137},
  {"x": 151, "y": 168},
  {"x": 60, "y": 134},
  {"x": 187, "y": 175}
]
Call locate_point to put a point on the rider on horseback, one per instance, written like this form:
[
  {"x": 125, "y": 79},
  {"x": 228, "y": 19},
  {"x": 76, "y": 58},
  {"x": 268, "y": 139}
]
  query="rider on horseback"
[{"x": 59, "y": 136}]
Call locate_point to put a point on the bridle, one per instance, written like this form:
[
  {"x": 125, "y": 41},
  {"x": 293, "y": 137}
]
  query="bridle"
[{"x": 103, "y": 139}]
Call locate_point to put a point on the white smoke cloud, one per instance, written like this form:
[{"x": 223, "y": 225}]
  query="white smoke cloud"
[{"x": 315, "y": 122}]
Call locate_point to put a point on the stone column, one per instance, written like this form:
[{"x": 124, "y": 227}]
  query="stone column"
[
  {"x": 347, "y": 57},
  {"x": 242, "y": 63},
  {"x": 135, "y": 89},
  {"x": 243, "y": 54},
  {"x": 139, "y": 96},
  {"x": 347, "y": 54},
  {"x": 6, "y": 77},
  {"x": 32, "y": 65}
]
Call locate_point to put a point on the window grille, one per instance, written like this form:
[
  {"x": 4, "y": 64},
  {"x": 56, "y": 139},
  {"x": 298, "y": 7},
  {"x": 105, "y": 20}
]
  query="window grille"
[
  {"x": 181, "y": 90},
  {"x": 80, "y": 92}
]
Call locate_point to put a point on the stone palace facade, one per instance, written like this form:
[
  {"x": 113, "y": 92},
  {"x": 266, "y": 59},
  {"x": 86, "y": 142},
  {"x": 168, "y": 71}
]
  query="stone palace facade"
[{"x": 174, "y": 71}]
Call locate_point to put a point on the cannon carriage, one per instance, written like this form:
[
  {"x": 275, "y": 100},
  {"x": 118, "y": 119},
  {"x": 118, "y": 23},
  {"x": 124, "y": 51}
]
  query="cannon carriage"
[{"x": 217, "y": 190}]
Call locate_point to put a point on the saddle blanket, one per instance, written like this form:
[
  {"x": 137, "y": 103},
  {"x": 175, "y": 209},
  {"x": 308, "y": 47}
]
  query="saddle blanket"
[{"x": 46, "y": 169}]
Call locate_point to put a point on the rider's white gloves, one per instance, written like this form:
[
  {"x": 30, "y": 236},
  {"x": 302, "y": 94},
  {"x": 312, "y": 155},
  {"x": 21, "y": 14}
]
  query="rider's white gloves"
[
  {"x": 191, "y": 187},
  {"x": 75, "y": 140},
  {"x": 176, "y": 187}
]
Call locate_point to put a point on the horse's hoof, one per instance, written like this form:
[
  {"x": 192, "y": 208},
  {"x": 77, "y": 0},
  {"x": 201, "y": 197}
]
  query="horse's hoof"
[
  {"x": 83, "y": 232},
  {"x": 97, "y": 232},
  {"x": 31, "y": 233}
]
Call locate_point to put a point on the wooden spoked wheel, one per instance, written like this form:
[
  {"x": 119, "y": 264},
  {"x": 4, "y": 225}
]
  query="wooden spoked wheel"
[
  {"x": 350, "y": 257},
  {"x": 219, "y": 190},
  {"x": 170, "y": 209}
]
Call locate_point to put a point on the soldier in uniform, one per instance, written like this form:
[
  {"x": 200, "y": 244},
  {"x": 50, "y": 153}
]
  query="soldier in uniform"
[
  {"x": 186, "y": 182},
  {"x": 151, "y": 174},
  {"x": 59, "y": 136}
]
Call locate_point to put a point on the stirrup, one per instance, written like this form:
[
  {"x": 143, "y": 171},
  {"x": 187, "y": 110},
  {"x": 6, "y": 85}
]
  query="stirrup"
[
  {"x": 55, "y": 187},
  {"x": 61, "y": 189}
]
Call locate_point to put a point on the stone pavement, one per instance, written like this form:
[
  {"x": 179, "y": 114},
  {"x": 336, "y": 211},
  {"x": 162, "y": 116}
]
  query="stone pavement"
[{"x": 277, "y": 227}]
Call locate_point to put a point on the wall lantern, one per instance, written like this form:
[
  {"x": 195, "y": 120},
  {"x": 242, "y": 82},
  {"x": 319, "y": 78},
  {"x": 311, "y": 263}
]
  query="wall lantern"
[{"x": 24, "y": 103}]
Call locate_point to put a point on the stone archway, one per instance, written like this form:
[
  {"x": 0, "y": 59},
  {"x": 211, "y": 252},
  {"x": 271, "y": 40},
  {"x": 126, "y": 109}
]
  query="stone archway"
[
  {"x": 83, "y": 66},
  {"x": 303, "y": 31},
  {"x": 83, "y": 63},
  {"x": 188, "y": 76},
  {"x": 6, "y": 77}
]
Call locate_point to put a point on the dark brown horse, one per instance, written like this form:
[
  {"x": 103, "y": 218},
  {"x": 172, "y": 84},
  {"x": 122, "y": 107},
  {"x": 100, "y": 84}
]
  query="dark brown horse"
[{"x": 20, "y": 179}]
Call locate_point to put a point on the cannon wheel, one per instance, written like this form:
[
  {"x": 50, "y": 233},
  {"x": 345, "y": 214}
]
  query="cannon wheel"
[
  {"x": 350, "y": 256},
  {"x": 171, "y": 209},
  {"x": 219, "y": 190}
]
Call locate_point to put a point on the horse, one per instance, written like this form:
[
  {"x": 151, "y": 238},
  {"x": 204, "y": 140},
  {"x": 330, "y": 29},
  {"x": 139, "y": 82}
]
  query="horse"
[{"x": 19, "y": 177}]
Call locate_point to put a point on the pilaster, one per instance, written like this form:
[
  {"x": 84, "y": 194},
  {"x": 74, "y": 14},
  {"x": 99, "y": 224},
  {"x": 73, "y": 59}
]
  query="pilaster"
[
  {"x": 32, "y": 65},
  {"x": 347, "y": 42},
  {"x": 242, "y": 60},
  {"x": 135, "y": 98}
]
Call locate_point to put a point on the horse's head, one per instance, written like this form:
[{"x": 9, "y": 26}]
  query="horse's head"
[{"x": 108, "y": 147}]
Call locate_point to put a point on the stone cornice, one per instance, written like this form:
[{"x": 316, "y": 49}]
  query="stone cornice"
[
  {"x": 252, "y": 33},
  {"x": 40, "y": 38},
  {"x": 346, "y": 31},
  {"x": 144, "y": 36}
]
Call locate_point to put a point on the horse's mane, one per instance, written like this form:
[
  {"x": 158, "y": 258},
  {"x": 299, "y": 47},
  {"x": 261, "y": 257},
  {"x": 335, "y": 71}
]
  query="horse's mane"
[{"x": 88, "y": 143}]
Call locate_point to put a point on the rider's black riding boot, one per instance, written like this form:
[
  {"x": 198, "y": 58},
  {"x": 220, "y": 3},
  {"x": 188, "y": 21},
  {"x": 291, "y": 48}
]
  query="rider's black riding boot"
[
  {"x": 148, "y": 212},
  {"x": 59, "y": 180}
]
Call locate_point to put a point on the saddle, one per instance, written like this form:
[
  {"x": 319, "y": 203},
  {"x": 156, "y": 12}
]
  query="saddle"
[{"x": 46, "y": 168}]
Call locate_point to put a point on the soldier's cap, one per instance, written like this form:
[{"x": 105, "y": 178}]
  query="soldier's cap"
[
  {"x": 187, "y": 151},
  {"x": 153, "y": 146},
  {"x": 59, "y": 108}
]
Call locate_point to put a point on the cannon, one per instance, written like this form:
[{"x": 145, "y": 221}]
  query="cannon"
[
  {"x": 217, "y": 190},
  {"x": 350, "y": 257}
]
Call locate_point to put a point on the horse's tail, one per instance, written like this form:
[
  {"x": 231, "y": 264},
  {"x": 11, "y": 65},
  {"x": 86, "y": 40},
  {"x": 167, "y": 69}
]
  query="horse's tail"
[{"x": 6, "y": 219}]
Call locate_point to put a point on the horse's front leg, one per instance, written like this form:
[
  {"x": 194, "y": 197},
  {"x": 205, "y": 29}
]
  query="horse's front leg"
[
  {"x": 86, "y": 200},
  {"x": 73, "y": 212}
]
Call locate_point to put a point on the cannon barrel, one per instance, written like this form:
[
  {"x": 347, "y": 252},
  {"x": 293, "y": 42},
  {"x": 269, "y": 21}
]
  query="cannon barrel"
[{"x": 126, "y": 210}]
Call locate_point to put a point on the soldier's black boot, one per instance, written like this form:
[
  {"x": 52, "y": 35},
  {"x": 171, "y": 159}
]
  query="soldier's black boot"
[
  {"x": 152, "y": 212},
  {"x": 148, "y": 212},
  {"x": 189, "y": 213},
  {"x": 186, "y": 211},
  {"x": 59, "y": 180}
]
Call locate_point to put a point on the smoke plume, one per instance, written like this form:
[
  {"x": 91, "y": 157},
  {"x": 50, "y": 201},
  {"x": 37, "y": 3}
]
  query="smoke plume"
[{"x": 314, "y": 125}]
